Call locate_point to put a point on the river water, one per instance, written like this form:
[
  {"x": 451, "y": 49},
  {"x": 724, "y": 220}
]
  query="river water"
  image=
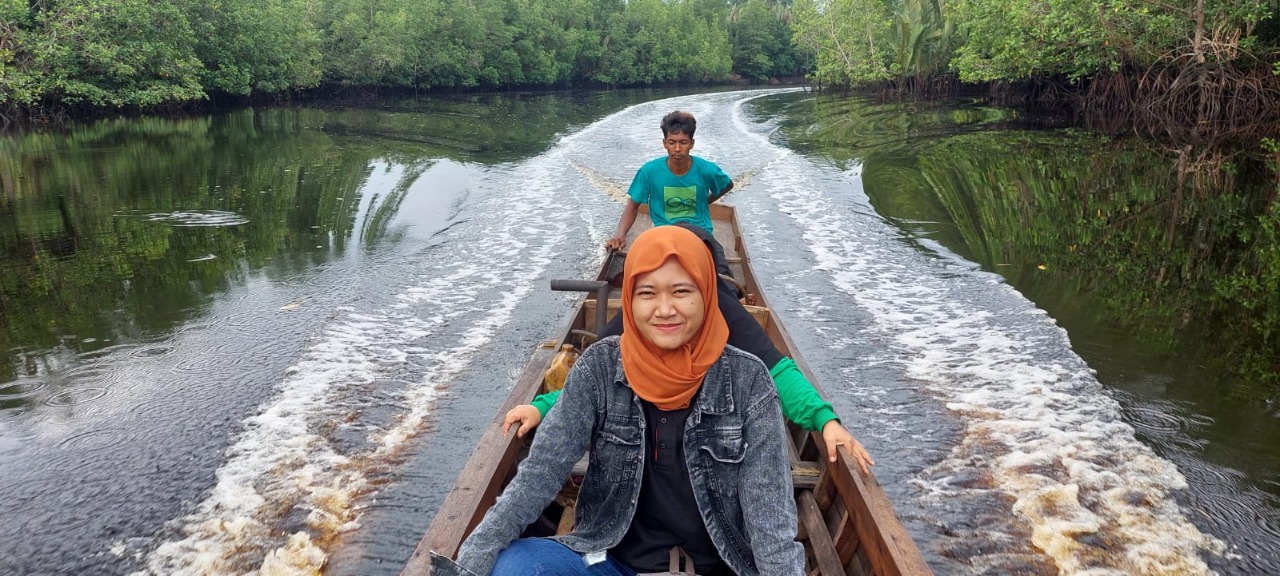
[{"x": 265, "y": 341}]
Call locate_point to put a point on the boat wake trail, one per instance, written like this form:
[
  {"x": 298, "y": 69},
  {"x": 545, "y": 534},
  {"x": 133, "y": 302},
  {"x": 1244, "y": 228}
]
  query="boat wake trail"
[
  {"x": 294, "y": 478},
  {"x": 1041, "y": 440}
]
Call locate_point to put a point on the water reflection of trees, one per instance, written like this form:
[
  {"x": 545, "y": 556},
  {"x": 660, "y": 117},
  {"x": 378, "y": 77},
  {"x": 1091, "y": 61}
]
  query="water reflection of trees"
[
  {"x": 82, "y": 264},
  {"x": 1178, "y": 236},
  {"x": 1169, "y": 238},
  {"x": 1218, "y": 222}
]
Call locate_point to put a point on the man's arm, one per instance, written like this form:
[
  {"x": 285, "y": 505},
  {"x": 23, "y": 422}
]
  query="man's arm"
[
  {"x": 722, "y": 193},
  {"x": 619, "y": 239}
]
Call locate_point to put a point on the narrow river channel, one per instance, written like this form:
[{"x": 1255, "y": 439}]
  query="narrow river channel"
[{"x": 265, "y": 342}]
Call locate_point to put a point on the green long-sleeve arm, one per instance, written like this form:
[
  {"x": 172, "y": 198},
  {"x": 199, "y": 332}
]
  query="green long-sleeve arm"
[
  {"x": 544, "y": 402},
  {"x": 800, "y": 400}
]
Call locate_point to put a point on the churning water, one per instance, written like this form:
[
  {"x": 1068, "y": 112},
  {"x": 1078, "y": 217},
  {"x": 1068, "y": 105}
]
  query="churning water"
[{"x": 314, "y": 413}]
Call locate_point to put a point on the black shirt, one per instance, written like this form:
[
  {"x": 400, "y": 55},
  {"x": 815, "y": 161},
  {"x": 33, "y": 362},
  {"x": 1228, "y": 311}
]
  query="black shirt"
[{"x": 667, "y": 514}]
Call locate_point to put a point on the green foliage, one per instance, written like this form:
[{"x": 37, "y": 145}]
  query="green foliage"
[
  {"x": 257, "y": 45},
  {"x": 374, "y": 42},
  {"x": 1016, "y": 39},
  {"x": 17, "y": 85},
  {"x": 859, "y": 41},
  {"x": 99, "y": 52},
  {"x": 506, "y": 43},
  {"x": 849, "y": 38},
  {"x": 761, "y": 39},
  {"x": 114, "y": 53},
  {"x": 921, "y": 39},
  {"x": 657, "y": 42}
]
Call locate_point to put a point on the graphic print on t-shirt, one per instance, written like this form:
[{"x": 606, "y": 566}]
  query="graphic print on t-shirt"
[{"x": 680, "y": 201}]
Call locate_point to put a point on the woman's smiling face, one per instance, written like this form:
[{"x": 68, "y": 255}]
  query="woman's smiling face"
[{"x": 667, "y": 306}]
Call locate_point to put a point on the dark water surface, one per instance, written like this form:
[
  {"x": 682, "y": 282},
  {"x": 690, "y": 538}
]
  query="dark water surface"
[{"x": 266, "y": 341}]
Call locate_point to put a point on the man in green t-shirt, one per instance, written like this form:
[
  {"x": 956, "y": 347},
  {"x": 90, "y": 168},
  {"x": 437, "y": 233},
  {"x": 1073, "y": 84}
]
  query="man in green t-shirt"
[{"x": 678, "y": 188}]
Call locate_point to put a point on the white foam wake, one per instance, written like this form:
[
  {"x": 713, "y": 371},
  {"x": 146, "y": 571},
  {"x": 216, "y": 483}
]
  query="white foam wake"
[
  {"x": 283, "y": 465},
  {"x": 1037, "y": 424}
]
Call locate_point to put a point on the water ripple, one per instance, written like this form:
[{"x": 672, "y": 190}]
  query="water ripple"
[
  {"x": 1161, "y": 422},
  {"x": 198, "y": 218},
  {"x": 152, "y": 351},
  {"x": 105, "y": 352},
  {"x": 1212, "y": 475},
  {"x": 20, "y": 389},
  {"x": 75, "y": 397},
  {"x": 1239, "y": 510},
  {"x": 90, "y": 438}
]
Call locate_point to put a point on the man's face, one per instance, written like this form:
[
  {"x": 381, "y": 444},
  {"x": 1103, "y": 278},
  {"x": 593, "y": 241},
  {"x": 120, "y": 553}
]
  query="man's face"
[{"x": 678, "y": 145}]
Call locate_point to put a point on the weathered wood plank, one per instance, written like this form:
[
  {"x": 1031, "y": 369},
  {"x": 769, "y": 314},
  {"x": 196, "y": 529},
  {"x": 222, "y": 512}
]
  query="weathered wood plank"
[
  {"x": 843, "y": 532},
  {"x": 824, "y": 551},
  {"x": 886, "y": 542},
  {"x": 805, "y": 475}
]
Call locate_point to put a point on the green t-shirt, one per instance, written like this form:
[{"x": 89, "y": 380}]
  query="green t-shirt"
[{"x": 674, "y": 198}]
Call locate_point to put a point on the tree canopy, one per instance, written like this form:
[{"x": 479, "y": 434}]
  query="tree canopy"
[
  {"x": 117, "y": 53},
  {"x": 1009, "y": 40}
]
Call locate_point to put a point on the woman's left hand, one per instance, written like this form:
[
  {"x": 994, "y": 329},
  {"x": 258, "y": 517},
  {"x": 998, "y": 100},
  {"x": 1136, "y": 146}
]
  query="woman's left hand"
[{"x": 836, "y": 436}]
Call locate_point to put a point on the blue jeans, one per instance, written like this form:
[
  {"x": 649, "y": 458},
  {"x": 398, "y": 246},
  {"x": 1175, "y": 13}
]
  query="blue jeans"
[{"x": 544, "y": 557}]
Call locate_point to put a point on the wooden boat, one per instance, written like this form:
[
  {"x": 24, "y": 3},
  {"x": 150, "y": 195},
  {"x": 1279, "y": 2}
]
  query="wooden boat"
[{"x": 847, "y": 524}]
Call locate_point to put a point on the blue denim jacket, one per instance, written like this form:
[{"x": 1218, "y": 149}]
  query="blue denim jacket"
[{"x": 735, "y": 448}]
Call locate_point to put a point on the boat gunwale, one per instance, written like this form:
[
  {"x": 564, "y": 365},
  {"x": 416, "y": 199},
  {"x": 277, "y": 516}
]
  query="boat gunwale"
[
  {"x": 462, "y": 509},
  {"x": 895, "y": 549}
]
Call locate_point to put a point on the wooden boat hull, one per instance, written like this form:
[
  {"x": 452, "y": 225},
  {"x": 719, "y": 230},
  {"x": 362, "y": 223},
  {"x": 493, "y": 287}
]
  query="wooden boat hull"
[{"x": 847, "y": 523}]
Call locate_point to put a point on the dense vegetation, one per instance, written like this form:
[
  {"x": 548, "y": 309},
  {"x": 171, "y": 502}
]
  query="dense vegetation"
[
  {"x": 1216, "y": 58},
  {"x": 117, "y": 53},
  {"x": 987, "y": 40}
]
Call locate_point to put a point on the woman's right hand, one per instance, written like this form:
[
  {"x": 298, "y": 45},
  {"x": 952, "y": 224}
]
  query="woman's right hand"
[
  {"x": 526, "y": 416},
  {"x": 615, "y": 243}
]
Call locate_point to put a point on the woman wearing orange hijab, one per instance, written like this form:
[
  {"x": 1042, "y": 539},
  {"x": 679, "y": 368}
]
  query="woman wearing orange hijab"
[{"x": 686, "y": 440}]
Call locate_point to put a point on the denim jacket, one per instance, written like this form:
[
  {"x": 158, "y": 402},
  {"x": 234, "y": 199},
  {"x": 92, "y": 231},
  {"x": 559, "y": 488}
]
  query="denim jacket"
[{"x": 735, "y": 449}]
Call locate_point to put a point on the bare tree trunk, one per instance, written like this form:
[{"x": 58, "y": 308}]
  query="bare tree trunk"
[{"x": 1197, "y": 45}]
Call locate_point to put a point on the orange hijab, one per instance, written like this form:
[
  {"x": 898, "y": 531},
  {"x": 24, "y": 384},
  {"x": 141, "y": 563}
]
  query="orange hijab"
[{"x": 670, "y": 378}]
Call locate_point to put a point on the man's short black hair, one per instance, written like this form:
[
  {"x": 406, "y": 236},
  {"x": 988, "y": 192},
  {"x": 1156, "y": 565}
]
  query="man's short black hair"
[{"x": 679, "y": 122}]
